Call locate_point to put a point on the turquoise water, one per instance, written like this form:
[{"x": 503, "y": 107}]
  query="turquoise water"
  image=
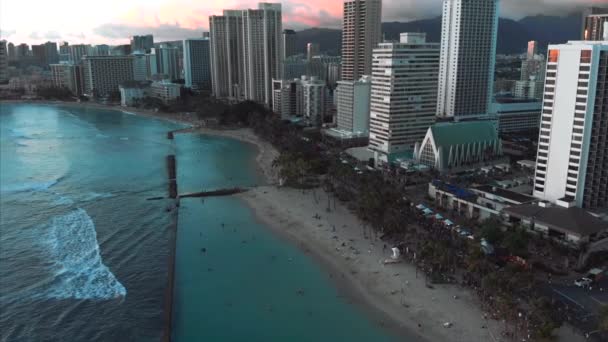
[{"x": 83, "y": 254}]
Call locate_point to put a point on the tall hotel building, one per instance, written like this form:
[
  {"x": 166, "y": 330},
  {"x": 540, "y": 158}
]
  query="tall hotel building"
[
  {"x": 226, "y": 52},
  {"x": 468, "y": 56},
  {"x": 103, "y": 74},
  {"x": 595, "y": 24},
  {"x": 3, "y": 62},
  {"x": 572, "y": 161},
  {"x": 197, "y": 71},
  {"x": 403, "y": 94},
  {"x": 361, "y": 33},
  {"x": 247, "y": 52}
]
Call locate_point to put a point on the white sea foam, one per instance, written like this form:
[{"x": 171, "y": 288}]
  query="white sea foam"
[
  {"x": 29, "y": 186},
  {"x": 63, "y": 200},
  {"x": 78, "y": 269},
  {"x": 124, "y": 138},
  {"x": 91, "y": 196}
]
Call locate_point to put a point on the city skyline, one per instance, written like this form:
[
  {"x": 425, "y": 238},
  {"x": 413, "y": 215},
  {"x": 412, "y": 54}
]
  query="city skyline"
[{"x": 175, "y": 20}]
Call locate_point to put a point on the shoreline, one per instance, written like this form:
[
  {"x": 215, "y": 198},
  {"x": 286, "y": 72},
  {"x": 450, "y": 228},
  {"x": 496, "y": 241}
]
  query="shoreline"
[
  {"x": 391, "y": 296},
  {"x": 176, "y": 118}
]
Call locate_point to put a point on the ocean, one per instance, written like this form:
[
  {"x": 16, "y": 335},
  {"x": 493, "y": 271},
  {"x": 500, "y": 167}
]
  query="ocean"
[{"x": 84, "y": 254}]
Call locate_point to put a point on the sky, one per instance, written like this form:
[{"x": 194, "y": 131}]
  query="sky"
[{"x": 114, "y": 21}]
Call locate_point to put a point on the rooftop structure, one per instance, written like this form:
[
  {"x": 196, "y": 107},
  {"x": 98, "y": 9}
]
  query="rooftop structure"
[{"x": 452, "y": 145}]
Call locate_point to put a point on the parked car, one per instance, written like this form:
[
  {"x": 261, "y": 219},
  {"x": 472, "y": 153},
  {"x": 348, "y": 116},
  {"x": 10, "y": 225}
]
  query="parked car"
[{"x": 583, "y": 282}]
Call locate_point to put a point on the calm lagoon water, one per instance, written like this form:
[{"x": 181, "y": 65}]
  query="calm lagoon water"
[{"x": 83, "y": 254}]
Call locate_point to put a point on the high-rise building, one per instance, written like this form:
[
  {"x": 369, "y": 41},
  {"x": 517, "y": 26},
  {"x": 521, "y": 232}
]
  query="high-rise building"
[
  {"x": 315, "y": 94},
  {"x": 66, "y": 75},
  {"x": 247, "y": 52},
  {"x": 403, "y": 94},
  {"x": 361, "y": 33},
  {"x": 77, "y": 52},
  {"x": 572, "y": 161},
  {"x": 45, "y": 54},
  {"x": 531, "y": 89},
  {"x": 51, "y": 53},
  {"x": 11, "y": 52},
  {"x": 3, "y": 61},
  {"x": 288, "y": 98},
  {"x": 227, "y": 55},
  {"x": 103, "y": 74},
  {"x": 197, "y": 67},
  {"x": 142, "y": 43},
  {"x": 352, "y": 105},
  {"x": 141, "y": 66},
  {"x": 532, "y": 49},
  {"x": 23, "y": 51},
  {"x": 39, "y": 54},
  {"x": 533, "y": 68},
  {"x": 289, "y": 43},
  {"x": 595, "y": 24},
  {"x": 468, "y": 52},
  {"x": 167, "y": 61},
  {"x": 64, "y": 48},
  {"x": 263, "y": 51},
  {"x": 99, "y": 50},
  {"x": 312, "y": 49},
  {"x": 121, "y": 50}
]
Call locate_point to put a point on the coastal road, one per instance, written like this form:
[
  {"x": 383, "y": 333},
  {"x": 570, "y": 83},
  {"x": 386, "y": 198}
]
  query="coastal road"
[{"x": 583, "y": 303}]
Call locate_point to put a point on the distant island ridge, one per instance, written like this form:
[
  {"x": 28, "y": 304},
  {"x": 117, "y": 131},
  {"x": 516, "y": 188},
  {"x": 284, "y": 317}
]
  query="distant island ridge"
[{"x": 513, "y": 35}]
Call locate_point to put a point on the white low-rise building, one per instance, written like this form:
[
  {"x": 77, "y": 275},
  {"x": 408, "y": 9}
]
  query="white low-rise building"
[
  {"x": 165, "y": 91},
  {"x": 131, "y": 93}
]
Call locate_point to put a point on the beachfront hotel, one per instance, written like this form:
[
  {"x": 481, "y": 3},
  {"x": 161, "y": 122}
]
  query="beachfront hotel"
[
  {"x": 361, "y": 33},
  {"x": 468, "y": 56},
  {"x": 226, "y": 54},
  {"x": 197, "y": 72},
  {"x": 247, "y": 52},
  {"x": 572, "y": 160},
  {"x": 103, "y": 74},
  {"x": 403, "y": 94}
]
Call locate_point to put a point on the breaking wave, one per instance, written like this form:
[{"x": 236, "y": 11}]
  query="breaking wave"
[
  {"x": 79, "y": 272},
  {"x": 18, "y": 134},
  {"x": 30, "y": 186}
]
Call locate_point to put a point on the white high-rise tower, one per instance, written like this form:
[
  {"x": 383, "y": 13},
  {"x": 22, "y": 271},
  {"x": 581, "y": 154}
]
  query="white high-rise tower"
[
  {"x": 468, "y": 56},
  {"x": 403, "y": 94},
  {"x": 572, "y": 161}
]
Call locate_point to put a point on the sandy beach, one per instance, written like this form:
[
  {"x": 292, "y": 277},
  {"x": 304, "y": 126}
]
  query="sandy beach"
[{"x": 394, "y": 291}]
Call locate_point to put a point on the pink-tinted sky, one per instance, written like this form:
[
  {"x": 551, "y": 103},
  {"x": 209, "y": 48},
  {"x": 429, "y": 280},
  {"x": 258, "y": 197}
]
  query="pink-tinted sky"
[{"x": 113, "y": 21}]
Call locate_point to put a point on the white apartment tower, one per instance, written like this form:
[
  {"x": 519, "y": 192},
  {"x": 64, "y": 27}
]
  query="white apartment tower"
[
  {"x": 361, "y": 33},
  {"x": 468, "y": 56},
  {"x": 246, "y": 52},
  {"x": 226, "y": 52},
  {"x": 197, "y": 69},
  {"x": 572, "y": 161},
  {"x": 263, "y": 50},
  {"x": 403, "y": 94},
  {"x": 315, "y": 93}
]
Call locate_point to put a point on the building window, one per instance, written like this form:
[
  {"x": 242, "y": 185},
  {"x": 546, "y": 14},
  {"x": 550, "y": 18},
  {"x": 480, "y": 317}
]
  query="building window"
[
  {"x": 586, "y": 56},
  {"x": 554, "y": 56}
]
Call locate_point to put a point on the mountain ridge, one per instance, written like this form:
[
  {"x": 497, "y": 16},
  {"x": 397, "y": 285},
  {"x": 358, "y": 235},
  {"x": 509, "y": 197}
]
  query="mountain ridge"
[{"x": 513, "y": 35}]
